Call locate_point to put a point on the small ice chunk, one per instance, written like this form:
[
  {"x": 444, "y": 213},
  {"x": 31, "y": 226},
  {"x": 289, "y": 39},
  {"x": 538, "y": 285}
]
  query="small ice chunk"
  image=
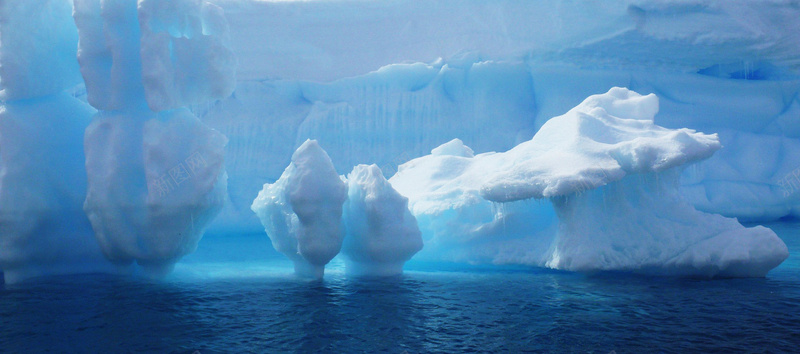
[
  {"x": 302, "y": 211},
  {"x": 381, "y": 232}
]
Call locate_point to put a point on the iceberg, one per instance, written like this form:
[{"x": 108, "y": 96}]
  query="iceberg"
[
  {"x": 381, "y": 232},
  {"x": 302, "y": 211},
  {"x": 137, "y": 175},
  {"x": 404, "y": 77},
  {"x": 156, "y": 180},
  {"x": 156, "y": 174},
  {"x": 611, "y": 176},
  {"x": 43, "y": 229},
  {"x": 458, "y": 225}
]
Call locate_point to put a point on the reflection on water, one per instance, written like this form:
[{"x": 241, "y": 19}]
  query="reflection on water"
[{"x": 480, "y": 309}]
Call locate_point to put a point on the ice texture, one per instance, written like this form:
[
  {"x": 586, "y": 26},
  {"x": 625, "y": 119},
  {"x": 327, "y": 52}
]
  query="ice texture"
[
  {"x": 612, "y": 176},
  {"x": 458, "y": 225},
  {"x": 602, "y": 140},
  {"x": 302, "y": 211},
  {"x": 171, "y": 53},
  {"x": 37, "y": 48},
  {"x": 43, "y": 230},
  {"x": 381, "y": 232},
  {"x": 156, "y": 173},
  {"x": 385, "y": 117},
  {"x": 329, "y": 40},
  {"x": 185, "y": 53},
  {"x": 506, "y": 67},
  {"x": 386, "y": 82},
  {"x": 108, "y": 53},
  {"x": 156, "y": 180},
  {"x": 642, "y": 224}
]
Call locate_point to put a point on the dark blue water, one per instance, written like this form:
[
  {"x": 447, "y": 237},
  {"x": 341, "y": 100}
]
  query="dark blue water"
[{"x": 258, "y": 307}]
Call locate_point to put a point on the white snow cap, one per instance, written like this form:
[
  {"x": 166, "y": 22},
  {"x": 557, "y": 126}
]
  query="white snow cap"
[
  {"x": 302, "y": 211},
  {"x": 381, "y": 232},
  {"x": 453, "y": 147},
  {"x": 602, "y": 140}
]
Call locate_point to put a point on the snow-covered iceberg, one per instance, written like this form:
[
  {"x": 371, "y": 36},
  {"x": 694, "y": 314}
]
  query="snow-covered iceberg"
[
  {"x": 458, "y": 224},
  {"x": 302, "y": 211},
  {"x": 381, "y": 232},
  {"x": 612, "y": 177}
]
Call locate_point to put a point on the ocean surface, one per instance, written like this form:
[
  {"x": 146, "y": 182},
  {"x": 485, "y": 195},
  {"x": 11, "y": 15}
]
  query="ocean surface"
[{"x": 243, "y": 299}]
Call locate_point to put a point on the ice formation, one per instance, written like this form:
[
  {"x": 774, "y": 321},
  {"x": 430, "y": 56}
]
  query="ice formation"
[
  {"x": 156, "y": 173},
  {"x": 153, "y": 204},
  {"x": 457, "y": 224},
  {"x": 38, "y": 40},
  {"x": 381, "y": 232},
  {"x": 377, "y": 89},
  {"x": 612, "y": 176},
  {"x": 43, "y": 229},
  {"x": 385, "y": 117},
  {"x": 168, "y": 53},
  {"x": 400, "y": 79},
  {"x": 302, "y": 211}
]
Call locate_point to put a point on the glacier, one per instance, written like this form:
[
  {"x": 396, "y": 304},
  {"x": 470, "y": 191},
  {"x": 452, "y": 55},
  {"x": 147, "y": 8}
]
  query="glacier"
[{"x": 131, "y": 128}]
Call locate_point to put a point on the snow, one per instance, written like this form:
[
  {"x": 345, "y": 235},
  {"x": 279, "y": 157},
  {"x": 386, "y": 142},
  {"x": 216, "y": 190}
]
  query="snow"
[
  {"x": 453, "y": 147},
  {"x": 381, "y": 232},
  {"x": 612, "y": 177},
  {"x": 602, "y": 140},
  {"x": 302, "y": 211}
]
